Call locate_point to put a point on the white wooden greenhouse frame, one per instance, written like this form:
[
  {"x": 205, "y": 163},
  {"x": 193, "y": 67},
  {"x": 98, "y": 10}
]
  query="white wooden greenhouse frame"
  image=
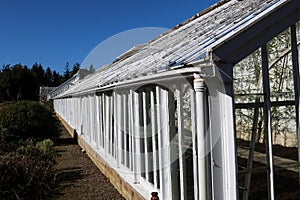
[{"x": 132, "y": 116}]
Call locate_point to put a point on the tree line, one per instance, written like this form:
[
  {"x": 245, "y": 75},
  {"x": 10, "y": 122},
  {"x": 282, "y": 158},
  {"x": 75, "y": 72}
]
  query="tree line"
[{"x": 19, "y": 82}]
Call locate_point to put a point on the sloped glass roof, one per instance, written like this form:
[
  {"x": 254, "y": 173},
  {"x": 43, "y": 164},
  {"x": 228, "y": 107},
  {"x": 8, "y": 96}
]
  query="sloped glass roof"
[{"x": 187, "y": 42}]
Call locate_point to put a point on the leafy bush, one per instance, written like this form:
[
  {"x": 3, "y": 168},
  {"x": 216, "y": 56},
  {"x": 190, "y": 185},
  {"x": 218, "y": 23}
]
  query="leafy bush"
[
  {"x": 49, "y": 105},
  {"x": 22, "y": 120},
  {"x": 28, "y": 173}
]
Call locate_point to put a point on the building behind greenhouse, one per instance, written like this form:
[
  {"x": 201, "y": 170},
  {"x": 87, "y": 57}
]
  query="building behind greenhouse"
[{"x": 171, "y": 116}]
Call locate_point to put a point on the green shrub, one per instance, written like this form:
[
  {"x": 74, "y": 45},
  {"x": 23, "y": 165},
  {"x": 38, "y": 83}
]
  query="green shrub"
[
  {"x": 22, "y": 120},
  {"x": 49, "y": 105},
  {"x": 28, "y": 173}
]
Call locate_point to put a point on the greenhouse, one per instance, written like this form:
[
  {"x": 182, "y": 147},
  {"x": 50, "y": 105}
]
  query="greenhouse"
[{"x": 204, "y": 111}]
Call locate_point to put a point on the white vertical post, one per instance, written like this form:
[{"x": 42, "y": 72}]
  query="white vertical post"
[
  {"x": 84, "y": 119},
  {"x": 194, "y": 141},
  {"x": 164, "y": 144},
  {"x": 89, "y": 124},
  {"x": 118, "y": 123},
  {"x": 130, "y": 130},
  {"x": 200, "y": 90},
  {"x": 181, "y": 146},
  {"x": 115, "y": 123},
  {"x": 106, "y": 132},
  {"x": 159, "y": 137},
  {"x": 81, "y": 116},
  {"x": 125, "y": 127},
  {"x": 136, "y": 136},
  {"x": 146, "y": 155},
  {"x": 221, "y": 134},
  {"x": 101, "y": 116},
  {"x": 267, "y": 121},
  {"x": 296, "y": 73},
  {"x": 94, "y": 123},
  {"x": 111, "y": 128},
  {"x": 154, "y": 145},
  {"x": 97, "y": 121},
  {"x": 76, "y": 113}
]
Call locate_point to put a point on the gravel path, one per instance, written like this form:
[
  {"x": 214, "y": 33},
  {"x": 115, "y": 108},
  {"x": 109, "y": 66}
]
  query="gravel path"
[{"x": 78, "y": 177}]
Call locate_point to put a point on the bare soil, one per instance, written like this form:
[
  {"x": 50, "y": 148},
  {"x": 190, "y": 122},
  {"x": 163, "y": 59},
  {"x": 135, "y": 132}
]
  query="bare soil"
[
  {"x": 286, "y": 182},
  {"x": 77, "y": 175}
]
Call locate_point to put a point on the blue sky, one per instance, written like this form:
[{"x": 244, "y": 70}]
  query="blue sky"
[{"x": 59, "y": 31}]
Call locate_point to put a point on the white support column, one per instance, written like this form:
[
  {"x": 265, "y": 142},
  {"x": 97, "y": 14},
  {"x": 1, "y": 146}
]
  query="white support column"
[
  {"x": 130, "y": 130},
  {"x": 119, "y": 125},
  {"x": 106, "y": 119},
  {"x": 164, "y": 143},
  {"x": 91, "y": 114},
  {"x": 146, "y": 155},
  {"x": 160, "y": 146},
  {"x": 222, "y": 134},
  {"x": 101, "y": 116},
  {"x": 181, "y": 147},
  {"x": 111, "y": 128},
  {"x": 81, "y": 115},
  {"x": 97, "y": 120},
  {"x": 84, "y": 111},
  {"x": 267, "y": 121},
  {"x": 94, "y": 120},
  {"x": 115, "y": 128},
  {"x": 136, "y": 138},
  {"x": 194, "y": 141},
  {"x": 200, "y": 90},
  {"x": 125, "y": 128},
  {"x": 89, "y": 121},
  {"x": 296, "y": 73},
  {"x": 154, "y": 145}
]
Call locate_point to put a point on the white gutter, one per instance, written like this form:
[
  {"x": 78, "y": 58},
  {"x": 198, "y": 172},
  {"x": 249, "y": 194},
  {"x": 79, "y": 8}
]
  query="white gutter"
[{"x": 204, "y": 67}]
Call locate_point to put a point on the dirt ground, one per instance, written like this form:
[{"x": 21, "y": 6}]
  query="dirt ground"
[
  {"x": 77, "y": 176},
  {"x": 286, "y": 182}
]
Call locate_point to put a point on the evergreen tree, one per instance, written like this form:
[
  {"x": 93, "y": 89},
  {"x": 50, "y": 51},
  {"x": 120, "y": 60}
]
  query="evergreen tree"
[
  {"x": 57, "y": 79},
  {"x": 91, "y": 68},
  {"x": 39, "y": 71},
  {"x": 48, "y": 77},
  {"x": 67, "y": 73},
  {"x": 75, "y": 68}
]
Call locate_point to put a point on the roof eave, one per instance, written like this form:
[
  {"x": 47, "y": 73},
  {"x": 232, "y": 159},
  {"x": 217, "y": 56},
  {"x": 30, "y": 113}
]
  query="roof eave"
[{"x": 256, "y": 32}]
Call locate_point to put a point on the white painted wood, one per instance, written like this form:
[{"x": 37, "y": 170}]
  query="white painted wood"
[
  {"x": 159, "y": 136},
  {"x": 111, "y": 128},
  {"x": 164, "y": 135},
  {"x": 130, "y": 130},
  {"x": 119, "y": 125},
  {"x": 194, "y": 142},
  {"x": 114, "y": 124},
  {"x": 136, "y": 137},
  {"x": 181, "y": 147},
  {"x": 201, "y": 120},
  {"x": 106, "y": 119},
  {"x": 125, "y": 129},
  {"x": 97, "y": 121},
  {"x": 82, "y": 115},
  {"x": 267, "y": 121},
  {"x": 296, "y": 73},
  {"x": 94, "y": 120},
  {"x": 154, "y": 144},
  {"x": 89, "y": 123},
  {"x": 222, "y": 136},
  {"x": 146, "y": 156},
  {"x": 102, "y": 124}
]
